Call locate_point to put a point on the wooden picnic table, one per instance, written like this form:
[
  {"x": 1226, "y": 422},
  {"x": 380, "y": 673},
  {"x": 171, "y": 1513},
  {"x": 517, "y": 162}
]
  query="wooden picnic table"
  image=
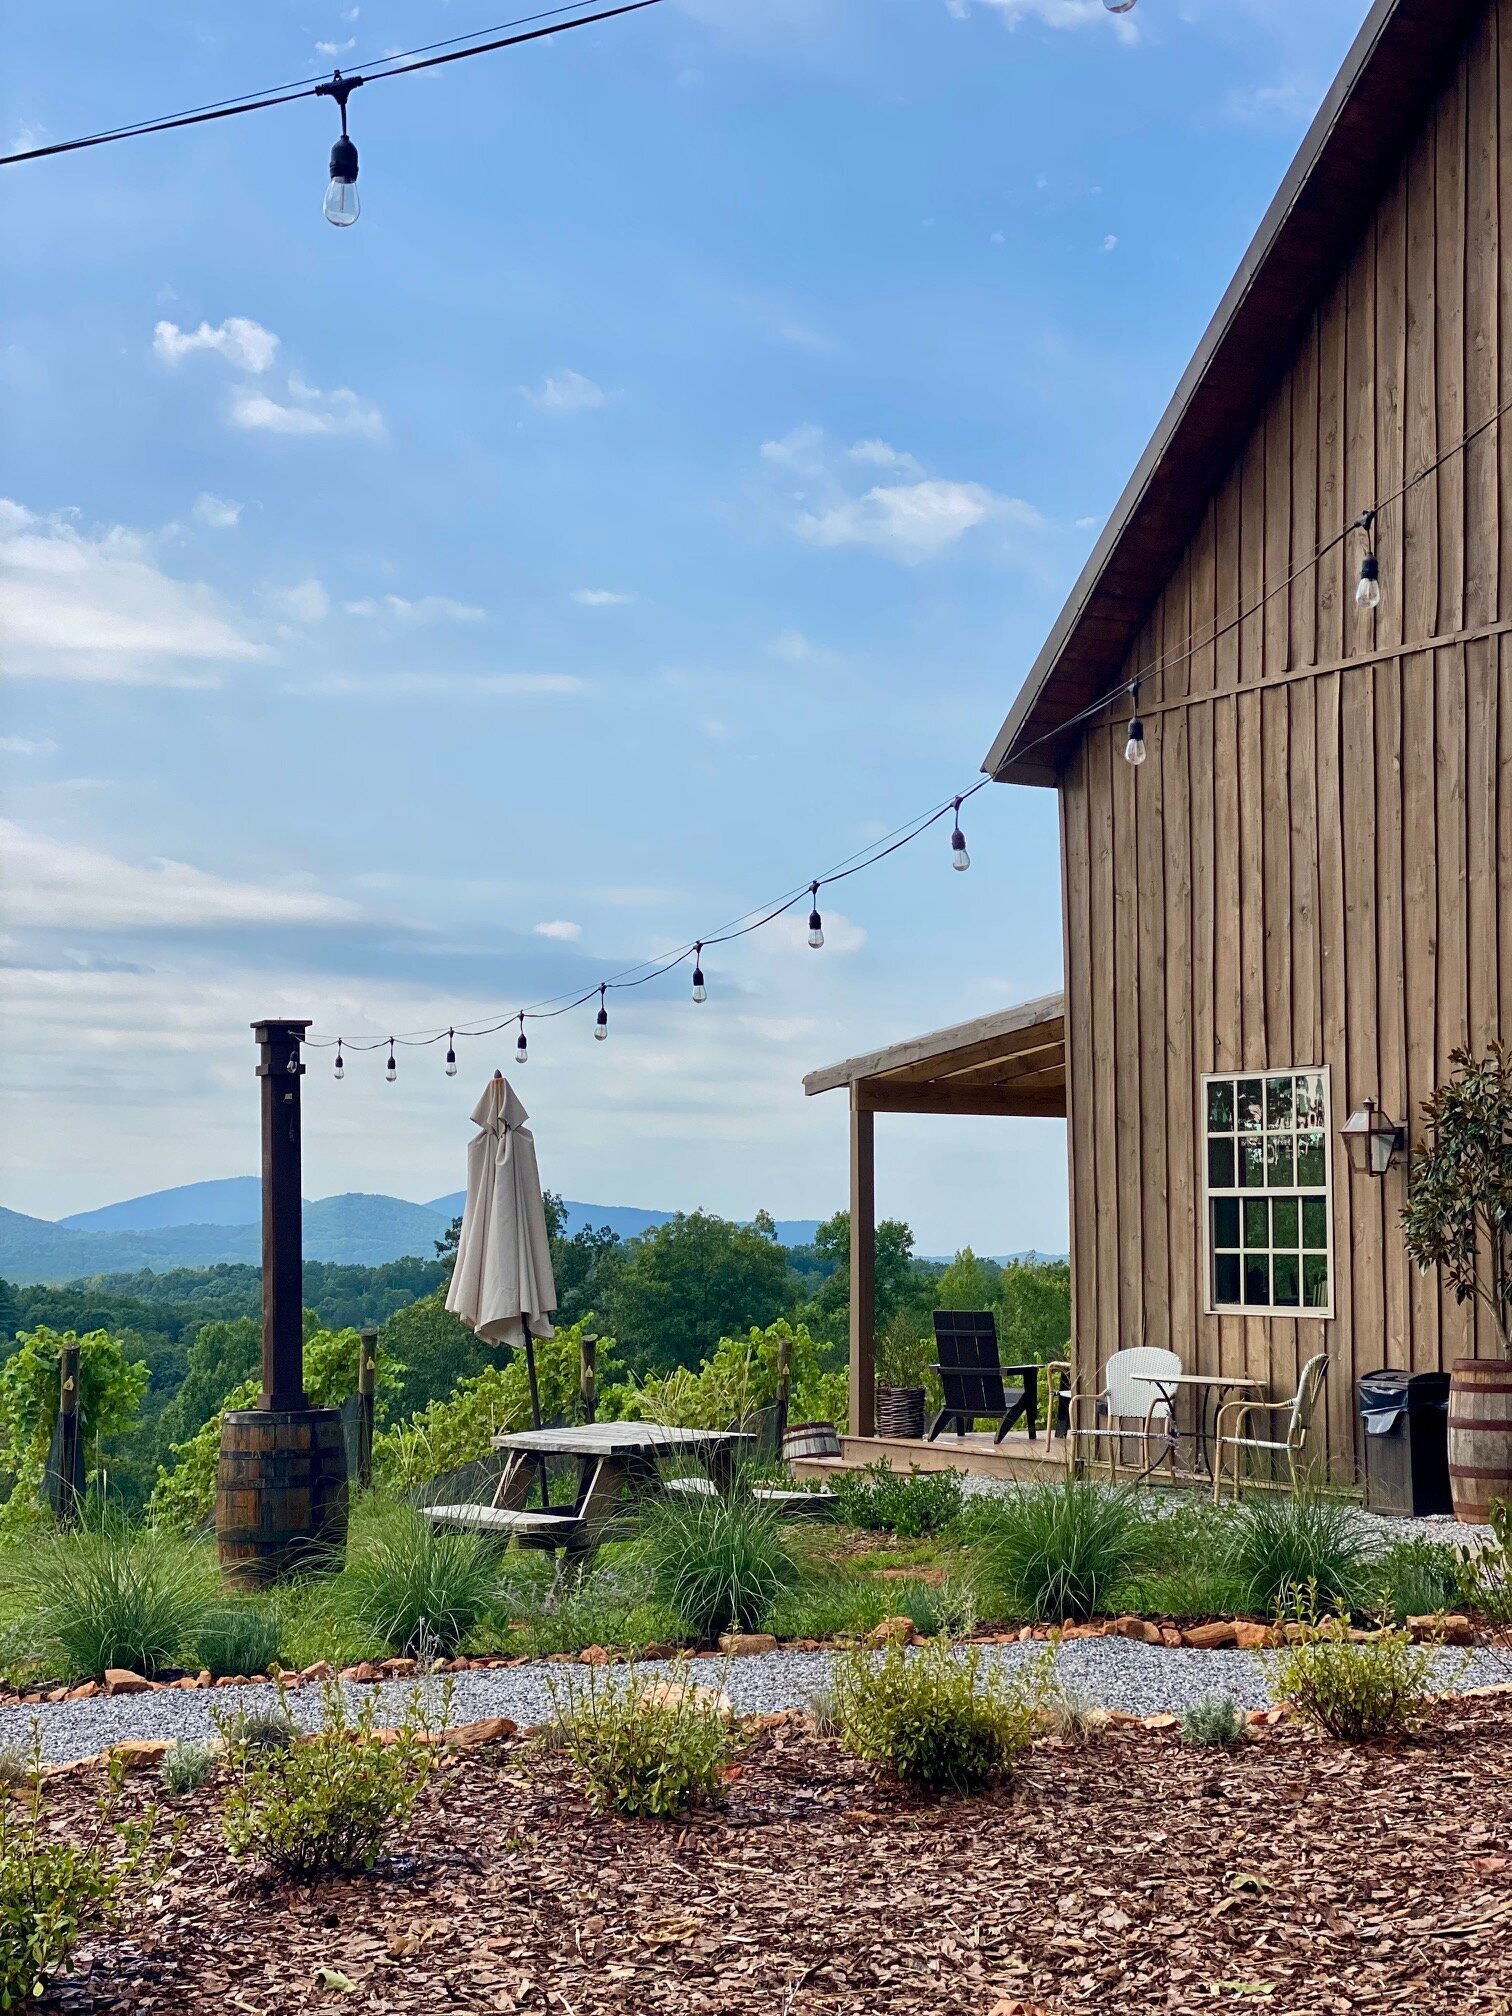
[{"x": 614, "y": 1458}]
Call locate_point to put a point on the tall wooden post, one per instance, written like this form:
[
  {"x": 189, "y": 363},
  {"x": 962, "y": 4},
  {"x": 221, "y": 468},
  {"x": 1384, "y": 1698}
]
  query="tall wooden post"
[
  {"x": 281, "y": 1485},
  {"x": 588, "y": 1376},
  {"x": 367, "y": 1402},
  {"x": 784, "y": 1391},
  {"x": 69, "y": 1465},
  {"x": 863, "y": 1270}
]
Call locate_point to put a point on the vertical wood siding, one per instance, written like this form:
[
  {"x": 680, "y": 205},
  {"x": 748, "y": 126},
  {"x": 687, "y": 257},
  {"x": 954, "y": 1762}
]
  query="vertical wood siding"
[{"x": 1315, "y": 865}]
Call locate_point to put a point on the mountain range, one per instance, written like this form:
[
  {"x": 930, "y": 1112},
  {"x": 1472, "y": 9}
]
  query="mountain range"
[{"x": 200, "y": 1224}]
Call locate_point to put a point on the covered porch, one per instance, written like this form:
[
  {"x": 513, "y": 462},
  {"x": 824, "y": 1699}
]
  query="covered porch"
[{"x": 1010, "y": 1064}]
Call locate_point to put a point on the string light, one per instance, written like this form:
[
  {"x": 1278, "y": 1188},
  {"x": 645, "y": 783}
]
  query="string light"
[
  {"x": 391, "y": 1070},
  {"x": 1134, "y": 748},
  {"x": 816, "y": 922},
  {"x": 342, "y": 204},
  {"x": 1368, "y": 591},
  {"x": 700, "y": 992},
  {"x": 959, "y": 858},
  {"x": 340, "y": 1071},
  {"x": 522, "y": 1048},
  {"x": 601, "y": 1020},
  {"x": 292, "y": 1067},
  {"x": 1119, "y": 6},
  {"x": 451, "y": 1053}
]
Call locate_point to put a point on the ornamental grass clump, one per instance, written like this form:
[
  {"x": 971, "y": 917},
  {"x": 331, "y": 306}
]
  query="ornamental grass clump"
[
  {"x": 646, "y": 1748},
  {"x": 876, "y": 1499},
  {"x": 327, "y": 1804},
  {"x": 1280, "y": 1548},
  {"x": 411, "y": 1581},
  {"x": 1217, "y": 1722},
  {"x": 718, "y": 1562},
  {"x": 133, "y": 1600},
  {"x": 238, "y": 1637},
  {"x": 1352, "y": 1687},
  {"x": 1055, "y": 1552},
  {"x": 939, "y": 1719}
]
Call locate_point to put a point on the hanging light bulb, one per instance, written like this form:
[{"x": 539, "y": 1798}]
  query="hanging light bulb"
[
  {"x": 1368, "y": 590},
  {"x": 601, "y": 1020},
  {"x": 1118, "y": 6},
  {"x": 1134, "y": 748},
  {"x": 391, "y": 1070},
  {"x": 292, "y": 1067},
  {"x": 816, "y": 922},
  {"x": 342, "y": 205},
  {"x": 700, "y": 992},
  {"x": 522, "y": 1048},
  {"x": 451, "y": 1054},
  {"x": 340, "y": 1062},
  {"x": 959, "y": 858}
]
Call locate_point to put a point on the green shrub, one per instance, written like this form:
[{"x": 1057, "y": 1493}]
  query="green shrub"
[
  {"x": 1352, "y": 1688},
  {"x": 598, "y": 1606},
  {"x": 1280, "y": 1546},
  {"x": 1214, "y": 1723},
  {"x": 646, "y": 1748},
  {"x": 186, "y": 1767},
  {"x": 877, "y": 1500},
  {"x": 935, "y": 1717},
  {"x": 266, "y": 1728},
  {"x": 839, "y": 1603},
  {"x": 1054, "y": 1552},
  {"x": 135, "y": 1600},
  {"x": 54, "y": 1888},
  {"x": 1419, "y": 1578},
  {"x": 1487, "y": 1575},
  {"x": 328, "y": 1803},
  {"x": 412, "y": 1580},
  {"x": 239, "y": 1637},
  {"x": 717, "y": 1563},
  {"x": 944, "y": 1609}
]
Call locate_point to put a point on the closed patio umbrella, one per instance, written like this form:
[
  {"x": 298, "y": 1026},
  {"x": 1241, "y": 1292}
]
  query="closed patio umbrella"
[{"x": 502, "y": 1286}]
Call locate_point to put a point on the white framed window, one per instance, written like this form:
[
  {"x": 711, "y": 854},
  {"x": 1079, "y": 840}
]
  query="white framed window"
[{"x": 1267, "y": 1193}]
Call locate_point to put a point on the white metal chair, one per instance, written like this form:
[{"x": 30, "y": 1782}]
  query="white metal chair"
[
  {"x": 1124, "y": 1401},
  {"x": 1298, "y": 1412}
]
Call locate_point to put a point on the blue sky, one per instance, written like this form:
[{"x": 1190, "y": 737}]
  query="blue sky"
[{"x": 658, "y": 494}]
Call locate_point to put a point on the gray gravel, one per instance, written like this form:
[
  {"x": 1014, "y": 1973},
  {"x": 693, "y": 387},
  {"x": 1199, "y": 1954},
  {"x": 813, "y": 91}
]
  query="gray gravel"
[{"x": 1115, "y": 1672}]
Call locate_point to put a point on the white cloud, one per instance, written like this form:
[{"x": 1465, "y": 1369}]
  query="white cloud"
[
  {"x": 882, "y": 455},
  {"x": 336, "y": 685},
  {"x": 559, "y": 928},
  {"x": 600, "y": 598},
  {"x": 216, "y": 511},
  {"x": 96, "y": 606},
  {"x": 804, "y": 451},
  {"x": 1110, "y": 243},
  {"x": 305, "y": 602},
  {"x": 1088, "y": 524},
  {"x": 796, "y": 649},
  {"x": 58, "y": 883},
  {"x": 1054, "y": 14},
  {"x": 242, "y": 342},
  {"x": 564, "y": 392},
  {"x": 425, "y": 609},
  {"x": 335, "y": 48},
  {"x": 309, "y": 411},
  {"x": 21, "y": 745},
  {"x": 1289, "y": 103}
]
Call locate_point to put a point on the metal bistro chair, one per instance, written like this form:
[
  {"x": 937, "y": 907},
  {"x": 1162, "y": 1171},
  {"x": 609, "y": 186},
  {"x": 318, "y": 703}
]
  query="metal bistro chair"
[
  {"x": 1299, "y": 1412},
  {"x": 1123, "y": 1402}
]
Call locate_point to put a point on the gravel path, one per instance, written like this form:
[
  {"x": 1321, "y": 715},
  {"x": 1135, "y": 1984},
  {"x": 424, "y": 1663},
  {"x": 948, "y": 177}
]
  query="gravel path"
[{"x": 1115, "y": 1672}]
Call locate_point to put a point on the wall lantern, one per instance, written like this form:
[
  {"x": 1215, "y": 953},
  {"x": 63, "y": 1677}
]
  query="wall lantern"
[{"x": 1373, "y": 1140}]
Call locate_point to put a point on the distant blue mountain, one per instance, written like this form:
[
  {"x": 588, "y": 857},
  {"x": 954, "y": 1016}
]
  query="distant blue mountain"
[
  {"x": 233, "y": 1200},
  {"x": 628, "y": 1219}
]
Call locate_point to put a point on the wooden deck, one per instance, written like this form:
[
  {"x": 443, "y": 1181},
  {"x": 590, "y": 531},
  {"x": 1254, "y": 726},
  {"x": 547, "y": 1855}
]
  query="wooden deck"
[{"x": 977, "y": 1454}]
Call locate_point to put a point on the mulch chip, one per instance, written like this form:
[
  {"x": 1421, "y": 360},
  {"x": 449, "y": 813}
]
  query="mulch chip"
[{"x": 1132, "y": 1875}]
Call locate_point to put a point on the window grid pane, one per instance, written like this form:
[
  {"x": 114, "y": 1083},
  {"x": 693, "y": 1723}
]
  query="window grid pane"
[{"x": 1266, "y": 1168}]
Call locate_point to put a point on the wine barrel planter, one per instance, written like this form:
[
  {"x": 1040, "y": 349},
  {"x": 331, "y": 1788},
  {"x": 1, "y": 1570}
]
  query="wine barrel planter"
[
  {"x": 1480, "y": 1437},
  {"x": 810, "y": 1439},
  {"x": 281, "y": 1495},
  {"x": 900, "y": 1411}
]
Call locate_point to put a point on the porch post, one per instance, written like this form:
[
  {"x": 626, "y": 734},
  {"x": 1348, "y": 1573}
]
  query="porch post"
[{"x": 863, "y": 1269}]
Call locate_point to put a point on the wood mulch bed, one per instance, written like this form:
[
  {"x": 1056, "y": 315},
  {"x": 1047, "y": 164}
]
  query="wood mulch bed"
[{"x": 1132, "y": 1875}]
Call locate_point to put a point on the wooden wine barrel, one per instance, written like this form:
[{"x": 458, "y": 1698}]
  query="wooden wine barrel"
[
  {"x": 281, "y": 1495},
  {"x": 810, "y": 1438},
  {"x": 1480, "y": 1437}
]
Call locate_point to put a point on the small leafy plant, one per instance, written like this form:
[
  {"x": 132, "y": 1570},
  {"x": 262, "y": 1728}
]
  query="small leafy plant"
[
  {"x": 1216, "y": 1722},
  {"x": 916, "y": 1507},
  {"x": 53, "y": 1888},
  {"x": 1354, "y": 1688},
  {"x": 1054, "y": 1552},
  {"x": 1420, "y": 1578},
  {"x": 646, "y": 1748},
  {"x": 186, "y": 1767},
  {"x": 327, "y": 1804},
  {"x": 717, "y": 1562},
  {"x": 938, "y": 1718},
  {"x": 239, "y": 1637}
]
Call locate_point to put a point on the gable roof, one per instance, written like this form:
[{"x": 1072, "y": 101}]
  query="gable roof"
[{"x": 1377, "y": 103}]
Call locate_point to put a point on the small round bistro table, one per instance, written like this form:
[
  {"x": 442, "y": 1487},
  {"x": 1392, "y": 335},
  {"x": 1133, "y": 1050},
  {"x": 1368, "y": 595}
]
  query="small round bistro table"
[{"x": 1209, "y": 1388}]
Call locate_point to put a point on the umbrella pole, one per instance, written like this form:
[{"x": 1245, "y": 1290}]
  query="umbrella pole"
[{"x": 535, "y": 1404}]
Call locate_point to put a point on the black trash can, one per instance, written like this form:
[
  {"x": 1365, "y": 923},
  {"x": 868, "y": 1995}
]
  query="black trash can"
[{"x": 1406, "y": 1422}]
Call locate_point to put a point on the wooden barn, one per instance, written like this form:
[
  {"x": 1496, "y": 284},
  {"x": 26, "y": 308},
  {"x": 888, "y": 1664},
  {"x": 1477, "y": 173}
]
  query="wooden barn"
[{"x": 1302, "y": 899}]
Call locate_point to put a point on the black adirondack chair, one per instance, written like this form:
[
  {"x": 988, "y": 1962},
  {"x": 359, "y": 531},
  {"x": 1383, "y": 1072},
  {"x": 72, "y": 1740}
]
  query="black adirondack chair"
[{"x": 973, "y": 1377}]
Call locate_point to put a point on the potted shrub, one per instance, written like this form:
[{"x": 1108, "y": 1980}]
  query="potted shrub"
[
  {"x": 903, "y": 1358},
  {"x": 1459, "y": 1218}
]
